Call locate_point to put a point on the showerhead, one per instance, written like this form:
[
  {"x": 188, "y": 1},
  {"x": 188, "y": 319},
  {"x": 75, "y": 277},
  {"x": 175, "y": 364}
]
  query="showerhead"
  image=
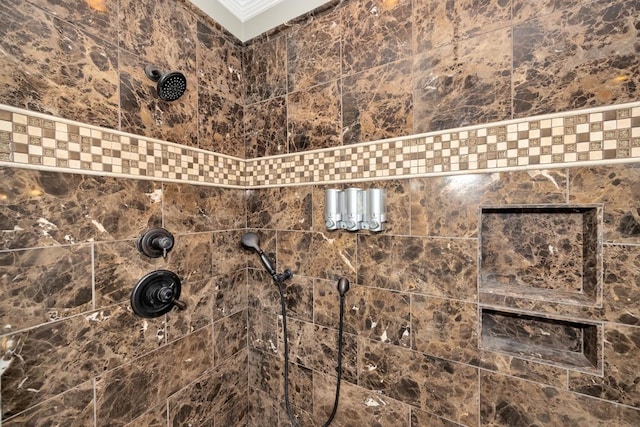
[
  {"x": 252, "y": 241},
  {"x": 171, "y": 85}
]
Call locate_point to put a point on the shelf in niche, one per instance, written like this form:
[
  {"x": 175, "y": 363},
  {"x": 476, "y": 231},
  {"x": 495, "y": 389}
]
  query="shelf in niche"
[
  {"x": 569, "y": 344},
  {"x": 541, "y": 252}
]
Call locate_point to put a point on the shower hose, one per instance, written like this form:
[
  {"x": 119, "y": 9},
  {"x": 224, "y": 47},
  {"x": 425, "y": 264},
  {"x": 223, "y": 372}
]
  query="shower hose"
[{"x": 294, "y": 423}]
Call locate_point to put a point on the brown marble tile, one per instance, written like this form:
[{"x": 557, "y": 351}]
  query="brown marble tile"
[
  {"x": 509, "y": 401},
  {"x": 420, "y": 418},
  {"x": 220, "y": 124},
  {"x": 229, "y": 336},
  {"x": 263, "y": 293},
  {"x": 51, "y": 209},
  {"x": 263, "y": 409},
  {"x": 57, "y": 357},
  {"x": 525, "y": 369},
  {"x": 582, "y": 57},
  {"x": 434, "y": 24},
  {"x": 326, "y": 302},
  {"x": 170, "y": 27},
  {"x": 316, "y": 348},
  {"x": 126, "y": 391},
  {"x": 621, "y": 358},
  {"x": 298, "y": 298},
  {"x": 142, "y": 112},
  {"x": 265, "y": 70},
  {"x": 73, "y": 408},
  {"x": 524, "y": 10},
  {"x": 443, "y": 388},
  {"x": 229, "y": 274},
  {"x": 445, "y": 328},
  {"x": 265, "y": 125},
  {"x": 468, "y": 82},
  {"x": 207, "y": 399},
  {"x": 378, "y": 314},
  {"x": 54, "y": 67},
  {"x": 118, "y": 267},
  {"x": 439, "y": 267},
  {"x": 314, "y": 117},
  {"x": 122, "y": 335},
  {"x": 313, "y": 52},
  {"x": 621, "y": 281},
  {"x": 152, "y": 417},
  {"x": 99, "y": 19},
  {"x": 265, "y": 373},
  {"x": 285, "y": 208},
  {"x": 43, "y": 285},
  {"x": 263, "y": 332},
  {"x": 317, "y": 255},
  {"x": 219, "y": 65},
  {"x": 458, "y": 198},
  {"x": 377, "y": 103},
  {"x": 301, "y": 416},
  {"x": 189, "y": 208},
  {"x": 481, "y": 16},
  {"x": 615, "y": 187},
  {"x": 300, "y": 387},
  {"x": 357, "y": 406},
  {"x": 375, "y": 33},
  {"x": 234, "y": 416}
]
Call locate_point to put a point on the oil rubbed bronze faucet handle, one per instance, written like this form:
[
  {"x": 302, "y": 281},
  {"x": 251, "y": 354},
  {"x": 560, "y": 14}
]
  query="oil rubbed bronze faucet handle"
[
  {"x": 156, "y": 294},
  {"x": 155, "y": 243}
]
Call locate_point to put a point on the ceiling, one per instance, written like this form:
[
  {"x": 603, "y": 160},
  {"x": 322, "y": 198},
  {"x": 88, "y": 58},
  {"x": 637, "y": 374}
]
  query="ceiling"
[{"x": 246, "y": 19}]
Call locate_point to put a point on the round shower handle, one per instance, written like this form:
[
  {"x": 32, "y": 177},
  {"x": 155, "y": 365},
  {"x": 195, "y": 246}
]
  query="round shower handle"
[
  {"x": 156, "y": 294},
  {"x": 155, "y": 243}
]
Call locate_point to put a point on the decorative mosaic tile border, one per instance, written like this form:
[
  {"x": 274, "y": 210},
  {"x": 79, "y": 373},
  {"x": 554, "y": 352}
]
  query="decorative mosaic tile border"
[
  {"x": 37, "y": 141},
  {"x": 595, "y": 136},
  {"x": 600, "y": 135}
]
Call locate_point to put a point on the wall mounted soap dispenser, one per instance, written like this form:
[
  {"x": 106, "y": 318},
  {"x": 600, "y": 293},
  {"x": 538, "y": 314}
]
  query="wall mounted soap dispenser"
[
  {"x": 333, "y": 208},
  {"x": 354, "y": 209},
  {"x": 376, "y": 212}
]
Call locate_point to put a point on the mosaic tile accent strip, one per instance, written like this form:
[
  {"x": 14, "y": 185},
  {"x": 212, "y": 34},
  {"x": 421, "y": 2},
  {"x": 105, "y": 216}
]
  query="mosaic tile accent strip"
[
  {"x": 29, "y": 139},
  {"x": 596, "y": 136}
]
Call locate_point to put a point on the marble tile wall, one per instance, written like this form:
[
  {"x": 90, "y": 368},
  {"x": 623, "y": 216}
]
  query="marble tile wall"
[
  {"x": 73, "y": 352},
  {"x": 378, "y": 69},
  {"x": 85, "y": 62},
  {"x": 327, "y": 81},
  {"x": 413, "y": 353}
]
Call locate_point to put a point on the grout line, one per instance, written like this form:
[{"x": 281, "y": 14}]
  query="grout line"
[{"x": 95, "y": 402}]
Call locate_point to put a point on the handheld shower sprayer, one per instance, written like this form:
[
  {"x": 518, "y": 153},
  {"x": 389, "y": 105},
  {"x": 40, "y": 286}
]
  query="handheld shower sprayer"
[{"x": 252, "y": 241}]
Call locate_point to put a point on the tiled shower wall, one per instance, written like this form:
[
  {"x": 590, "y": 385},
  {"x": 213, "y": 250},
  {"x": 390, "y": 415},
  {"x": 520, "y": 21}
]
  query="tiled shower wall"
[
  {"x": 73, "y": 353},
  {"x": 413, "y": 355},
  {"x": 398, "y": 68}
]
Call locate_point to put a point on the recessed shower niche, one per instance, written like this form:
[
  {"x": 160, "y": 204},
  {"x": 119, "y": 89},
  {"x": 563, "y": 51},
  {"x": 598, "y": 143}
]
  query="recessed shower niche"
[
  {"x": 571, "y": 344},
  {"x": 543, "y": 252}
]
